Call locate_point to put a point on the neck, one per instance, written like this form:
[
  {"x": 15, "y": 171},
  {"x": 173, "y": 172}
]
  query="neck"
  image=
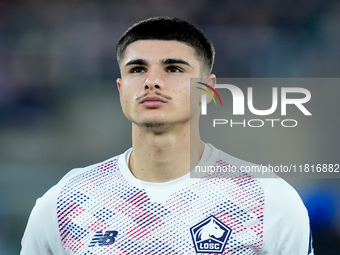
[{"x": 164, "y": 156}]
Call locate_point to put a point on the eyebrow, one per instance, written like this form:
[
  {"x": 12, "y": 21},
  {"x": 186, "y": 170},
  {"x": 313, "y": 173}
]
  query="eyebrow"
[
  {"x": 138, "y": 61},
  {"x": 174, "y": 61},
  {"x": 167, "y": 61}
]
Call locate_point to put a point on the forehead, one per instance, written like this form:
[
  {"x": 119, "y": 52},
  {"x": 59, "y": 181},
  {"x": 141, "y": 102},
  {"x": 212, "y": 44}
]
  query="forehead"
[{"x": 158, "y": 50}]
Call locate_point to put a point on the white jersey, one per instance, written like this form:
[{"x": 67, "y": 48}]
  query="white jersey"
[{"x": 104, "y": 209}]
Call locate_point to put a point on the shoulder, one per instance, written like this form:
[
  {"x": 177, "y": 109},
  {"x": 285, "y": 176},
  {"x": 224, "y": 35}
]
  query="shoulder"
[
  {"x": 282, "y": 200},
  {"x": 76, "y": 172},
  {"x": 286, "y": 221},
  {"x": 285, "y": 218},
  {"x": 42, "y": 231}
]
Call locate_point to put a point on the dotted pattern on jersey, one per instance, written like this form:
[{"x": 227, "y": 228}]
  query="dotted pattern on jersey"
[{"x": 101, "y": 200}]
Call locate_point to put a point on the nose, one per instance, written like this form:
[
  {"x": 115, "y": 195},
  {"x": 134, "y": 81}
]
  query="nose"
[
  {"x": 148, "y": 86},
  {"x": 153, "y": 81}
]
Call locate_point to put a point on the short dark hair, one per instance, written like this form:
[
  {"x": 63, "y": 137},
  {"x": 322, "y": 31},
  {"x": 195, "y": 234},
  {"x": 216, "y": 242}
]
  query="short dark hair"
[{"x": 168, "y": 28}]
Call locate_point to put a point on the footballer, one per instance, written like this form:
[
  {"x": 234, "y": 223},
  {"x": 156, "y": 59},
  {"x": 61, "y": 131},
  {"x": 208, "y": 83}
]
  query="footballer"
[{"x": 143, "y": 201}]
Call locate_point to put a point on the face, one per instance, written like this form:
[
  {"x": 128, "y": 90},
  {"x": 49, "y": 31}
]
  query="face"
[{"x": 155, "y": 82}]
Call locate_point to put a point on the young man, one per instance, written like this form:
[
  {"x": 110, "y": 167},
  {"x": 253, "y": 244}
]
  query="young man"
[{"x": 144, "y": 201}]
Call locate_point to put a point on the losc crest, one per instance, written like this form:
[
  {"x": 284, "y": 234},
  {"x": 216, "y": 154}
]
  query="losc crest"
[{"x": 210, "y": 235}]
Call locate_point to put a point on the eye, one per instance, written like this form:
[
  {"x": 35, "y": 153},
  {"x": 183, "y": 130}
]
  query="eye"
[
  {"x": 138, "y": 69},
  {"x": 174, "y": 69}
]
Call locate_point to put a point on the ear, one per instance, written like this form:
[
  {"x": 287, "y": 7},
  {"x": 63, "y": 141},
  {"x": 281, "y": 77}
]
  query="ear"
[
  {"x": 119, "y": 83},
  {"x": 210, "y": 80}
]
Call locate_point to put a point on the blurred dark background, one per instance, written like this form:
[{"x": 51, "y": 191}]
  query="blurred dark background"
[{"x": 59, "y": 106}]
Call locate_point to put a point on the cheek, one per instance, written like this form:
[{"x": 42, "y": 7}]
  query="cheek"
[
  {"x": 184, "y": 100},
  {"x": 125, "y": 102}
]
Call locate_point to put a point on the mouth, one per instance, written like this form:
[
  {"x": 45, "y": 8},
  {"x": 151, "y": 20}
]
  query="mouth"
[{"x": 152, "y": 102}]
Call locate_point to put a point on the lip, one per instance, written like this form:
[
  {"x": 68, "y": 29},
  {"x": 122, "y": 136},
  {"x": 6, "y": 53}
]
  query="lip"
[{"x": 152, "y": 102}]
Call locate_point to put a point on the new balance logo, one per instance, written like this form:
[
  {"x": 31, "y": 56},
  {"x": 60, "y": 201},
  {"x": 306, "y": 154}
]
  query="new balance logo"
[{"x": 107, "y": 239}]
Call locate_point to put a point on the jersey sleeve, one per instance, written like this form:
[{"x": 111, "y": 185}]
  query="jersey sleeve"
[
  {"x": 41, "y": 235},
  {"x": 286, "y": 221}
]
